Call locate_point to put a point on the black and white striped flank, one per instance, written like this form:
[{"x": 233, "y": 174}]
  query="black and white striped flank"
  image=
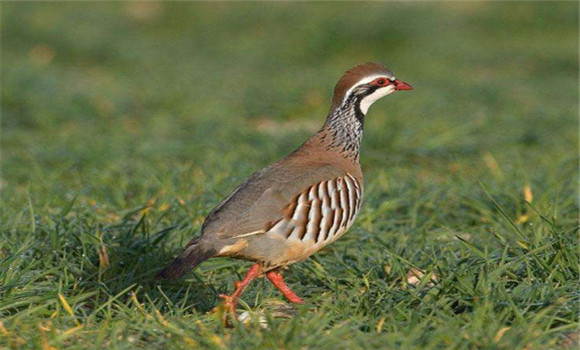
[{"x": 321, "y": 213}]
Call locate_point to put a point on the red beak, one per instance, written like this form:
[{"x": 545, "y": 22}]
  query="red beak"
[{"x": 399, "y": 85}]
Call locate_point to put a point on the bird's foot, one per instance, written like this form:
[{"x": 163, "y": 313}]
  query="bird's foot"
[
  {"x": 227, "y": 308},
  {"x": 230, "y": 303}
]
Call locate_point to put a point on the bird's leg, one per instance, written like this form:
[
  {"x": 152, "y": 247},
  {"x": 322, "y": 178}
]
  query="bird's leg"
[
  {"x": 277, "y": 280},
  {"x": 231, "y": 301}
]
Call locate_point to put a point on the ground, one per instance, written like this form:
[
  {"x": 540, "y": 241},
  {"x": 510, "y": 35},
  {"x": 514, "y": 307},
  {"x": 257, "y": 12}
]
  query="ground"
[{"x": 123, "y": 124}]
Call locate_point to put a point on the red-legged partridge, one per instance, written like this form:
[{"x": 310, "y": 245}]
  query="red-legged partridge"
[{"x": 291, "y": 209}]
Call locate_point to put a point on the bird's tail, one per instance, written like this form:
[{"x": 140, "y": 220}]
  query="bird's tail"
[{"x": 193, "y": 255}]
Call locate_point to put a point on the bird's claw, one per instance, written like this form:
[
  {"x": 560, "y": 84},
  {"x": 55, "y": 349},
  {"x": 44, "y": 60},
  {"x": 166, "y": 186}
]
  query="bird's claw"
[{"x": 227, "y": 307}]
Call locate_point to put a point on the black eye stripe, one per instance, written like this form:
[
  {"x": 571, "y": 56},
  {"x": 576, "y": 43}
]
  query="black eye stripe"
[{"x": 371, "y": 89}]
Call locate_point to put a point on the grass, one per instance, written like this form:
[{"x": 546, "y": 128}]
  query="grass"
[{"x": 123, "y": 124}]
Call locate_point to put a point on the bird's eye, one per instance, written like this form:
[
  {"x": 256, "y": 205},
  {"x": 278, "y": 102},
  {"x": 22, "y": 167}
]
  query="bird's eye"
[{"x": 381, "y": 82}]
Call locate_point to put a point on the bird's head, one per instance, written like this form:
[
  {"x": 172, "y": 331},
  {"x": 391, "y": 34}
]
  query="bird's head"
[{"x": 365, "y": 84}]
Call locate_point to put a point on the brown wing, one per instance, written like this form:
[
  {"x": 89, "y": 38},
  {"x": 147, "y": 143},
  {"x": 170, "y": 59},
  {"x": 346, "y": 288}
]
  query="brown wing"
[{"x": 263, "y": 197}]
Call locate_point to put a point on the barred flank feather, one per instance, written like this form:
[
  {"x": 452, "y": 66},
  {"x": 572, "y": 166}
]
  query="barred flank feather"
[
  {"x": 193, "y": 256},
  {"x": 322, "y": 212}
]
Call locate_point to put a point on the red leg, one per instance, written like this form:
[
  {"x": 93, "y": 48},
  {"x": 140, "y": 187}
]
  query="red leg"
[
  {"x": 231, "y": 301},
  {"x": 277, "y": 280}
]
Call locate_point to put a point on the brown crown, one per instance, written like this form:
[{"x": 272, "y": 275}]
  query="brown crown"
[{"x": 354, "y": 75}]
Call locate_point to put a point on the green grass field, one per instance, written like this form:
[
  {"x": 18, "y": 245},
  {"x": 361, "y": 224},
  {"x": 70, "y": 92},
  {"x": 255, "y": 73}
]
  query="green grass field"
[{"x": 123, "y": 124}]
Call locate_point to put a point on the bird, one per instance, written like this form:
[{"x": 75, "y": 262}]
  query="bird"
[{"x": 294, "y": 207}]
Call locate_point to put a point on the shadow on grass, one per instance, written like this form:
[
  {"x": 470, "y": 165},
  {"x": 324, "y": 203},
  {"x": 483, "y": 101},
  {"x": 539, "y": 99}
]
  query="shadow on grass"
[{"x": 130, "y": 255}]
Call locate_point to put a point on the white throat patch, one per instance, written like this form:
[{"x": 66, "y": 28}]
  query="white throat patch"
[{"x": 367, "y": 101}]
